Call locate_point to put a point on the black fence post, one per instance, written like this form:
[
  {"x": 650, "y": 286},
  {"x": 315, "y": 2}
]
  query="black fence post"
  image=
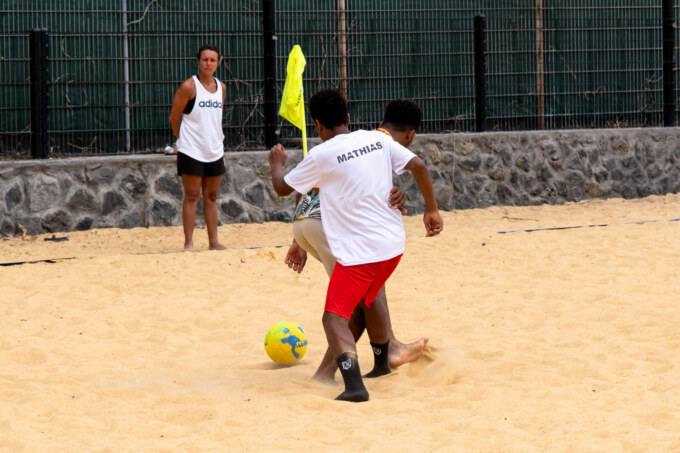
[
  {"x": 39, "y": 73},
  {"x": 669, "y": 106},
  {"x": 269, "y": 36},
  {"x": 480, "y": 71}
]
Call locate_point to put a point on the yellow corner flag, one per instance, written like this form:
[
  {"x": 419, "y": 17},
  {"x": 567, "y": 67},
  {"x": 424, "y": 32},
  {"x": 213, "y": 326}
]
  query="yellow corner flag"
[{"x": 293, "y": 99}]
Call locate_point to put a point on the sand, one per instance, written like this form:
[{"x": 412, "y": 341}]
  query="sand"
[{"x": 561, "y": 340}]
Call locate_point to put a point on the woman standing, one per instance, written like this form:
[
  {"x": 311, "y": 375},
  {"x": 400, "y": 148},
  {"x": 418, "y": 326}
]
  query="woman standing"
[{"x": 196, "y": 120}]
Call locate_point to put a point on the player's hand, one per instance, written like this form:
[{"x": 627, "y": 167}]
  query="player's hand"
[
  {"x": 296, "y": 257},
  {"x": 277, "y": 156},
  {"x": 397, "y": 200},
  {"x": 433, "y": 223}
]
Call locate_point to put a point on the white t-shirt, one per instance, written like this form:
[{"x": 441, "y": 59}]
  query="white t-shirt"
[
  {"x": 200, "y": 132},
  {"x": 354, "y": 175}
]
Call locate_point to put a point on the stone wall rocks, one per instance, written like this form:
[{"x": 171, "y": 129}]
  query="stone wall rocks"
[{"x": 469, "y": 170}]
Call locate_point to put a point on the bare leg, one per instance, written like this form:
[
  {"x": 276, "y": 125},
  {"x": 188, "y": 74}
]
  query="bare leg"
[
  {"x": 377, "y": 318},
  {"x": 399, "y": 353},
  {"x": 192, "y": 193},
  {"x": 211, "y": 185},
  {"x": 377, "y": 326},
  {"x": 338, "y": 334},
  {"x": 326, "y": 371},
  {"x": 343, "y": 347}
]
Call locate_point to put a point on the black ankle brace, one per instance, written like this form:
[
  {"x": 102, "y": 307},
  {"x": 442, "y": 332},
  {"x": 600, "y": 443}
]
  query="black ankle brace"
[
  {"x": 355, "y": 391},
  {"x": 381, "y": 365}
]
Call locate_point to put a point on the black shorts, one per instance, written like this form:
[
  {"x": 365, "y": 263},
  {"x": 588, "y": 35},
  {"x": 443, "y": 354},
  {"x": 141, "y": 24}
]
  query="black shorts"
[{"x": 189, "y": 166}]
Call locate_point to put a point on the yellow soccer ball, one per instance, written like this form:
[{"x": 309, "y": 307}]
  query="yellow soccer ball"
[{"x": 285, "y": 343}]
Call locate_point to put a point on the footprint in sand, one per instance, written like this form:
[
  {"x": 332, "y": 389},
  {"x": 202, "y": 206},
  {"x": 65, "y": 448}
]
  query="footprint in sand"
[{"x": 27, "y": 356}]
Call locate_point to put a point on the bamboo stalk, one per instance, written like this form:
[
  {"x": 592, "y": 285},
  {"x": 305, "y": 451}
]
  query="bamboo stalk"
[
  {"x": 342, "y": 48},
  {"x": 540, "y": 67}
]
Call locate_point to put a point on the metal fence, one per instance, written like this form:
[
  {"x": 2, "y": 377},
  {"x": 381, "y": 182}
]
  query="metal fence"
[{"x": 114, "y": 65}]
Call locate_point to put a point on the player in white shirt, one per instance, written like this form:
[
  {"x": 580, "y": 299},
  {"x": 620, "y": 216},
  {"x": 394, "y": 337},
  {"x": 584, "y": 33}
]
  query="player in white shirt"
[
  {"x": 400, "y": 121},
  {"x": 354, "y": 174}
]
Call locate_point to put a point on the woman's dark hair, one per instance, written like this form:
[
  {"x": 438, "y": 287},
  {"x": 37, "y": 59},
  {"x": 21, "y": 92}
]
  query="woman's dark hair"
[
  {"x": 207, "y": 47},
  {"x": 329, "y": 107},
  {"x": 403, "y": 115}
]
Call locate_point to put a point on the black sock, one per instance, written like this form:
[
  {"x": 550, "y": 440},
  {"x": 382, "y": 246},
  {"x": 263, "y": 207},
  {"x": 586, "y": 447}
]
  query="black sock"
[
  {"x": 348, "y": 364},
  {"x": 381, "y": 365}
]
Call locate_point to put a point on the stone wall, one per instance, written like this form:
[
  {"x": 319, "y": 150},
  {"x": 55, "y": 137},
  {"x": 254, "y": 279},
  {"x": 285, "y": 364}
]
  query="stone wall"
[{"x": 468, "y": 170}]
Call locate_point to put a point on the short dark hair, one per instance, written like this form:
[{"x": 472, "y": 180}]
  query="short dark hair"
[
  {"x": 403, "y": 115},
  {"x": 207, "y": 47},
  {"x": 329, "y": 107}
]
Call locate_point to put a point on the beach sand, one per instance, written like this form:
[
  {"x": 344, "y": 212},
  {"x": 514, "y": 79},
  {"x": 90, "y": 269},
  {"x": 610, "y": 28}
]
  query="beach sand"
[{"x": 562, "y": 340}]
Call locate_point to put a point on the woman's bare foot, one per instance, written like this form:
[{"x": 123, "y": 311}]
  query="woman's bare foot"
[
  {"x": 217, "y": 246},
  {"x": 189, "y": 248},
  {"x": 402, "y": 353}
]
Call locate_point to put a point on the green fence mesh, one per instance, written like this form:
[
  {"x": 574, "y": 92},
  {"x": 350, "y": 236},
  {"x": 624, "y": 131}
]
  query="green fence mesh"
[{"x": 115, "y": 65}]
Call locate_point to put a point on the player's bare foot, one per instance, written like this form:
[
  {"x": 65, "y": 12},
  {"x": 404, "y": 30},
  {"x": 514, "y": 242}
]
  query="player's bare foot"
[
  {"x": 217, "y": 246},
  {"x": 325, "y": 378},
  {"x": 404, "y": 353},
  {"x": 189, "y": 248}
]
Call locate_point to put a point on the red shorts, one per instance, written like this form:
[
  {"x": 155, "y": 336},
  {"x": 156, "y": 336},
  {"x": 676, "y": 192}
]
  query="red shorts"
[{"x": 350, "y": 284}]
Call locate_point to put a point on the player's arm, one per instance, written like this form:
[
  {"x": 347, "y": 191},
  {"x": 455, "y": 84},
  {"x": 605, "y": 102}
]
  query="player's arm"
[
  {"x": 431, "y": 218},
  {"x": 185, "y": 92},
  {"x": 277, "y": 159}
]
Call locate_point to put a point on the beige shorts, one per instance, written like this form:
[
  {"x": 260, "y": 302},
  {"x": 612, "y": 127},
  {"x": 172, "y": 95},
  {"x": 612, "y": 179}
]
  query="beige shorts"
[{"x": 309, "y": 234}]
